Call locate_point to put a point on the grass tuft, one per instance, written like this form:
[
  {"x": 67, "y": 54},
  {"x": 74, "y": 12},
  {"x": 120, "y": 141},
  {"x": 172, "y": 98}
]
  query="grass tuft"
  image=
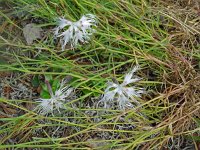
[{"x": 162, "y": 37}]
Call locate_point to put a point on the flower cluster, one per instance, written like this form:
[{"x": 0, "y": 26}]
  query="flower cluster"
[
  {"x": 79, "y": 31},
  {"x": 56, "y": 101},
  {"x": 122, "y": 93}
]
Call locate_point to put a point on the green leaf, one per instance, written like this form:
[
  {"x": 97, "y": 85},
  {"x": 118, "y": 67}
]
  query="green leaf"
[
  {"x": 48, "y": 77},
  {"x": 196, "y": 138},
  {"x": 44, "y": 94},
  {"x": 55, "y": 84},
  {"x": 35, "y": 81},
  {"x": 44, "y": 87},
  {"x": 197, "y": 121}
]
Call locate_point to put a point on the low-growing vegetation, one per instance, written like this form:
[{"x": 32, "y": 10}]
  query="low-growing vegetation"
[{"x": 99, "y": 74}]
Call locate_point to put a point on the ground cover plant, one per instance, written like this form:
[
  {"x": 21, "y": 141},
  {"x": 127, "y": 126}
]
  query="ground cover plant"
[{"x": 99, "y": 74}]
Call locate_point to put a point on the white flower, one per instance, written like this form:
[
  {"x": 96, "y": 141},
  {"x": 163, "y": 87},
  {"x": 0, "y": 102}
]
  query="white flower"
[
  {"x": 122, "y": 93},
  {"x": 77, "y": 31},
  {"x": 56, "y": 101}
]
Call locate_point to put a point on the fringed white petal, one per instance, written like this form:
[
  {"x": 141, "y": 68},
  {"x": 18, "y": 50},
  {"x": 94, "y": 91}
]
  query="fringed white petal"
[
  {"x": 128, "y": 77},
  {"x": 56, "y": 101},
  {"x": 121, "y": 93},
  {"x": 79, "y": 31},
  {"x": 45, "y": 106}
]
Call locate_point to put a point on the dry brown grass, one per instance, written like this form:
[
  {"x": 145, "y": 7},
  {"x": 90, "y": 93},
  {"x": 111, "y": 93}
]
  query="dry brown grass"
[{"x": 182, "y": 80}]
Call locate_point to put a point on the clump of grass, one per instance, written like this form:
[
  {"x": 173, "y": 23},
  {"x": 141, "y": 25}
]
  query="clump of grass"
[{"x": 128, "y": 33}]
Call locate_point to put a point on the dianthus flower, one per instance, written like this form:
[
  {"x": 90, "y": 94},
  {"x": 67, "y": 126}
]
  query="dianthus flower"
[
  {"x": 56, "y": 101},
  {"x": 76, "y": 32},
  {"x": 123, "y": 94}
]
